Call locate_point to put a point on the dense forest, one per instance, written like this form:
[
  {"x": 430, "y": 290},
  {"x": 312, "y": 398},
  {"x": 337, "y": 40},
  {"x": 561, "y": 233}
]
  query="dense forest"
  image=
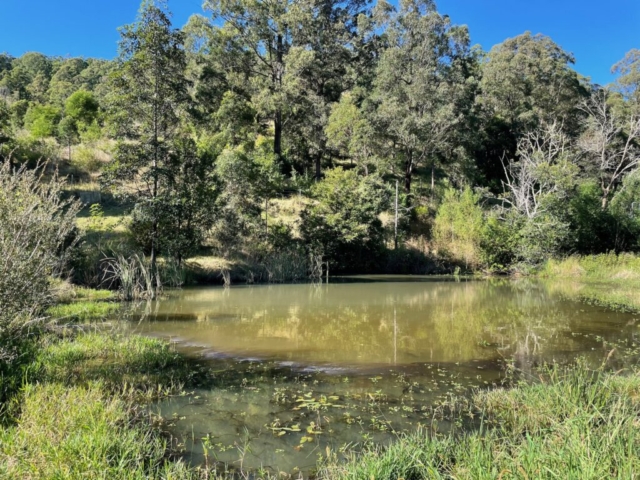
[{"x": 365, "y": 138}]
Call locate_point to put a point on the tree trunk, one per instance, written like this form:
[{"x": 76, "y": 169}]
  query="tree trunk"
[
  {"x": 277, "y": 79},
  {"x": 605, "y": 197},
  {"x": 277, "y": 137},
  {"x": 318, "y": 164},
  {"x": 408, "y": 173},
  {"x": 433, "y": 177}
]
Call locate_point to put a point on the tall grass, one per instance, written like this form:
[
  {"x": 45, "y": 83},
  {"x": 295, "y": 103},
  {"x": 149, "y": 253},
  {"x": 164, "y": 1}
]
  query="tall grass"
[
  {"x": 608, "y": 266},
  {"x": 140, "y": 365},
  {"x": 286, "y": 266},
  {"x": 79, "y": 432},
  {"x": 607, "y": 280},
  {"x": 82, "y": 311},
  {"x": 132, "y": 275}
]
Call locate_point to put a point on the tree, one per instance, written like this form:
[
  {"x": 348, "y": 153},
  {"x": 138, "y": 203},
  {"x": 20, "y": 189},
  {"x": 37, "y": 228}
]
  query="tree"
[
  {"x": 610, "y": 143},
  {"x": 82, "y": 107},
  {"x": 527, "y": 80},
  {"x": 351, "y": 133},
  {"x": 419, "y": 85},
  {"x": 544, "y": 167},
  {"x": 540, "y": 181},
  {"x": 150, "y": 91},
  {"x": 343, "y": 222},
  {"x": 66, "y": 80},
  {"x": 42, "y": 120},
  {"x": 319, "y": 70},
  {"x": 263, "y": 30},
  {"x": 628, "y": 82}
]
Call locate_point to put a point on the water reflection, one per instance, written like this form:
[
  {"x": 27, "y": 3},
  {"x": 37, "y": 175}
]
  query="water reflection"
[{"x": 377, "y": 324}]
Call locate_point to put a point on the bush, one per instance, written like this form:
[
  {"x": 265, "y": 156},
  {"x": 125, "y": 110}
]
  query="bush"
[
  {"x": 42, "y": 120},
  {"x": 86, "y": 159},
  {"x": 458, "y": 228},
  {"x": 343, "y": 223},
  {"x": 500, "y": 241},
  {"x": 541, "y": 238},
  {"x": 36, "y": 231}
]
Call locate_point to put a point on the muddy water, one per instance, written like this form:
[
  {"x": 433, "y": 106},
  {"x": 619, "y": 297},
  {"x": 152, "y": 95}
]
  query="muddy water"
[{"x": 301, "y": 369}]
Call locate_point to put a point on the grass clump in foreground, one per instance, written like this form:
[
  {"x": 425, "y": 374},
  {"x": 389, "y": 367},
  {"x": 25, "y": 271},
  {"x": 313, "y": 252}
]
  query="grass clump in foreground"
[
  {"x": 81, "y": 432},
  {"x": 81, "y": 415},
  {"x": 120, "y": 362},
  {"x": 82, "y": 310},
  {"x": 576, "y": 424}
]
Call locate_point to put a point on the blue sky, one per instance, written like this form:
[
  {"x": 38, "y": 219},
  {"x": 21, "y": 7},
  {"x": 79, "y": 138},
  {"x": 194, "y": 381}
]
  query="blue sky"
[{"x": 597, "y": 33}]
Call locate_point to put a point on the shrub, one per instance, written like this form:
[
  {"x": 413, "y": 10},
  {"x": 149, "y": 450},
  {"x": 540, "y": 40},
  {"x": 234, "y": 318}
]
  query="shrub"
[
  {"x": 86, "y": 159},
  {"x": 459, "y": 227},
  {"x": 343, "y": 223},
  {"x": 42, "y": 120},
  {"x": 36, "y": 230},
  {"x": 499, "y": 244}
]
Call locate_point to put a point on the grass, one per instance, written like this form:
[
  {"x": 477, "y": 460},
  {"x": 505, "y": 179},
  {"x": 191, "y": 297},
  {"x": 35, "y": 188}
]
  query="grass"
[
  {"x": 609, "y": 280},
  {"x": 80, "y": 432},
  {"x": 576, "y": 424},
  {"x": 82, "y": 310},
  {"x": 122, "y": 363},
  {"x": 80, "y": 416},
  {"x": 81, "y": 413},
  {"x": 609, "y": 266}
]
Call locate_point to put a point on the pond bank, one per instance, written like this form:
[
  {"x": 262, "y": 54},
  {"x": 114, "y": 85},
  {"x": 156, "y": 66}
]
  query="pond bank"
[{"x": 607, "y": 280}]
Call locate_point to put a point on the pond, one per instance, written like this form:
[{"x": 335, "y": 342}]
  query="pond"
[{"x": 306, "y": 369}]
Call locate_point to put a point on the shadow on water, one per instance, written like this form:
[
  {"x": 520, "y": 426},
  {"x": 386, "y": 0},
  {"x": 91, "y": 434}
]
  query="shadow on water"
[{"x": 302, "y": 368}]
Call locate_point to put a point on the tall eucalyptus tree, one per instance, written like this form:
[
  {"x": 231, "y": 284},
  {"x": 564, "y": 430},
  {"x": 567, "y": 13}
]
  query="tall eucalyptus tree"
[
  {"x": 149, "y": 93},
  {"x": 421, "y": 84}
]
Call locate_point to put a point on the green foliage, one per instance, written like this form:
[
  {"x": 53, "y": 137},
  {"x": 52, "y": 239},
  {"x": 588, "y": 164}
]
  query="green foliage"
[
  {"x": 527, "y": 79},
  {"x": 36, "y": 231},
  {"x": 81, "y": 311},
  {"x": 149, "y": 96},
  {"x": 82, "y": 107},
  {"x": 459, "y": 228},
  {"x": 628, "y": 78},
  {"x": 625, "y": 208},
  {"x": 86, "y": 159},
  {"x": 607, "y": 266},
  {"x": 82, "y": 418},
  {"x": 349, "y": 131},
  {"x": 421, "y": 86},
  {"x": 343, "y": 223},
  {"x": 42, "y": 120},
  {"x": 79, "y": 432},
  {"x": 542, "y": 238},
  {"x": 500, "y": 241}
]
